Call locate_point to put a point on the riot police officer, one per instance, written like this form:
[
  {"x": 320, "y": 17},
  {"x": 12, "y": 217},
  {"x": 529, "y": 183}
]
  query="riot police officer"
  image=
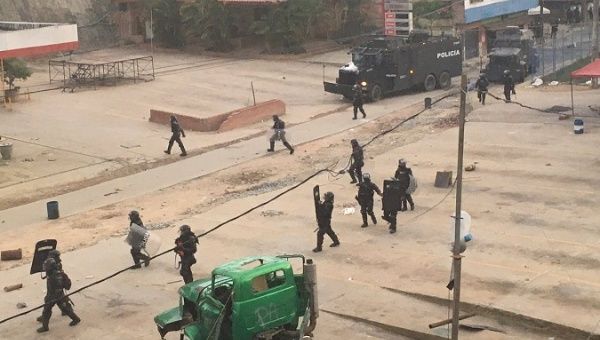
[
  {"x": 366, "y": 189},
  {"x": 324, "y": 212},
  {"x": 357, "y": 100},
  {"x": 136, "y": 245},
  {"x": 186, "y": 248},
  {"x": 482, "y": 87},
  {"x": 509, "y": 85},
  {"x": 403, "y": 174},
  {"x": 356, "y": 162},
  {"x": 56, "y": 282},
  {"x": 177, "y": 133},
  {"x": 279, "y": 134}
]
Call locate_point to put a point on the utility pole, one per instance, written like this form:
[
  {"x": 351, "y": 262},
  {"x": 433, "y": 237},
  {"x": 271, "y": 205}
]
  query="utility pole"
[
  {"x": 2, "y": 81},
  {"x": 595, "y": 38},
  {"x": 542, "y": 29},
  {"x": 456, "y": 257}
]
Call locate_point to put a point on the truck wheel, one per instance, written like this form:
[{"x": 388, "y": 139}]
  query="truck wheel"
[
  {"x": 376, "y": 93},
  {"x": 430, "y": 82},
  {"x": 445, "y": 80}
]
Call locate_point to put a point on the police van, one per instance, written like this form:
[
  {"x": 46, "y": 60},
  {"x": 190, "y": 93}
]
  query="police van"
[{"x": 387, "y": 65}]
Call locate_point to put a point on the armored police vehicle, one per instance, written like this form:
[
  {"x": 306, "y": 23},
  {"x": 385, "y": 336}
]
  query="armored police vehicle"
[
  {"x": 387, "y": 65},
  {"x": 513, "y": 50},
  {"x": 254, "y": 298}
]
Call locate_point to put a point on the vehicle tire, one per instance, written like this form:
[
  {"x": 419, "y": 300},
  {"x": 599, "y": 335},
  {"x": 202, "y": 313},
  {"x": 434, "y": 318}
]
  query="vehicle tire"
[
  {"x": 445, "y": 80},
  {"x": 376, "y": 93},
  {"x": 430, "y": 82}
]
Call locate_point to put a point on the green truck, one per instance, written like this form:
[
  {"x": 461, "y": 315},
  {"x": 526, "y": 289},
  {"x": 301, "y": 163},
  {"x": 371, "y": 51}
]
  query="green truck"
[{"x": 253, "y": 298}]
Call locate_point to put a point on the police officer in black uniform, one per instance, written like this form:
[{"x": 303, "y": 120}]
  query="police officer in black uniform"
[
  {"x": 482, "y": 87},
  {"x": 357, "y": 100},
  {"x": 403, "y": 174},
  {"x": 136, "y": 253},
  {"x": 366, "y": 189},
  {"x": 324, "y": 212},
  {"x": 56, "y": 282},
  {"x": 509, "y": 85},
  {"x": 176, "y": 137},
  {"x": 356, "y": 162},
  {"x": 186, "y": 248},
  {"x": 279, "y": 134}
]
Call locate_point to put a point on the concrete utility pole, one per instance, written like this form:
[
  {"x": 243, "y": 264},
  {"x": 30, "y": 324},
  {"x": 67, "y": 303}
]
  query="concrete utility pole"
[
  {"x": 542, "y": 24},
  {"x": 595, "y": 38},
  {"x": 456, "y": 257}
]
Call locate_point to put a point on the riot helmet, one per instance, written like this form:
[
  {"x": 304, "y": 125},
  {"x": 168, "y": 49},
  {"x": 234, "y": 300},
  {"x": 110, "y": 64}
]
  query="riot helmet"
[
  {"x": 328, "y": 196},
  {"x": 134, "y": 215},
  {"x": 55, "y": 254},
  {"x": 185, "y": 229},
  {"x": 366, "y": 177},
  {"x": 354, "y": 142},
  {"x": 506, "y": 72},
  {"x": 49, "y": 265}
]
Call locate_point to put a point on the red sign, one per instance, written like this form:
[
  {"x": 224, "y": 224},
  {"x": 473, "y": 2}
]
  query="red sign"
[
  {"x": 390, "y": 15},
  {"x": 390, "y": 31}
]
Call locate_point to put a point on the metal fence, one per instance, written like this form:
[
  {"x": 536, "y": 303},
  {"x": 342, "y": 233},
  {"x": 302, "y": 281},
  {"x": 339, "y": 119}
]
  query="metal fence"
[{"x": 563, "y": 48}]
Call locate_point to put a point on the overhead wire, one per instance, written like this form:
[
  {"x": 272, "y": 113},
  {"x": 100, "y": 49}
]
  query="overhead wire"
[{"x": 218, "y": 226}]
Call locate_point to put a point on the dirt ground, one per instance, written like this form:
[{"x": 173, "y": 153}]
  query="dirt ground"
[
  {"x": 64, "y": 141},
  {"x": 533, "y": 199}
]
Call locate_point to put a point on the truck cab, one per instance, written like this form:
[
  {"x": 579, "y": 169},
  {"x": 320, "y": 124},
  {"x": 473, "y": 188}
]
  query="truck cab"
[{"x": 247, "y": 299}]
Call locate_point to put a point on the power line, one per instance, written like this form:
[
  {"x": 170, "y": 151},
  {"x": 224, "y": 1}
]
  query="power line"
[{"x": 218, "y": 226}]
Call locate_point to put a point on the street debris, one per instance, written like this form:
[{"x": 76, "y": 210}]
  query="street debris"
[
  {"x": 470, "y": 167},
  {"x": 271, "y": 213},
  {"x": 349, "y": 211},
  {"x": 553, "y": 83},
  {"x": 9, "y": 255},
  {"x": 13, "y": 287},
  {"x": 21, "y": 305},
  {"x": 537, "y": 82}
]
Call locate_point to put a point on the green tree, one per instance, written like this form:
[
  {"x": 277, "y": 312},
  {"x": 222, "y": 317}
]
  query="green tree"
[
  {"x": 290, "y": 24},
  {"x": 209, "y": 21},
  {"x": 167, "y": 22},
  {"x": 15, "y": 69}
]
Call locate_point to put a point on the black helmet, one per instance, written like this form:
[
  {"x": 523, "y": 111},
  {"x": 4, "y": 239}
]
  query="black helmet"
[
  {"x": 184, "y": 228},
  {"x": 482, "y": 74},
  {"x": 55, "y": 254},
  {"x": 134, "y": 215},
  {"x": 328, "y": 196},
  {"x": 353, "y": 142},
  {"x": 49, "y": 264},
  {"x": 401, "y": 161},
  {"x": 506, "y": 72},
  {"x": 366, "y": 177}
]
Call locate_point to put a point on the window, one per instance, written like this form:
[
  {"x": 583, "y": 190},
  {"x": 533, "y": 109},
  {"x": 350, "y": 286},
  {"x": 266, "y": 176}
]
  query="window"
[{"x": 268, "y": 281}]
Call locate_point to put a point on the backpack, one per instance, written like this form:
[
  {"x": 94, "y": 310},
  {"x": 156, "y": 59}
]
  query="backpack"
[{"x": 66, "y": 280}]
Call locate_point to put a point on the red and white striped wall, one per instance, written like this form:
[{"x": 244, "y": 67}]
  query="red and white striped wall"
[{"x": 19, "y": 39}]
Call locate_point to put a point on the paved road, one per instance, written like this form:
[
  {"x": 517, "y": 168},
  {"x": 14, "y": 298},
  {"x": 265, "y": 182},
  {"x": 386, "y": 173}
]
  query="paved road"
[{"x": 165, "y": 176}]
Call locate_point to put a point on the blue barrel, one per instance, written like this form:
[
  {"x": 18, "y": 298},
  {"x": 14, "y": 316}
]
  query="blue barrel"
[
  {"x": 52, "y": 208},
  {"x": 578, "y": 126},
  {"x": 428, "y": 103}
]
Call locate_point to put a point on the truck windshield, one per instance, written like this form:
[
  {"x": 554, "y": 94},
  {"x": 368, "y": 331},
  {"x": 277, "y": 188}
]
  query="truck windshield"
[
  {"x": 503, "y": 61},
  {"x": 366, "y": 60}
]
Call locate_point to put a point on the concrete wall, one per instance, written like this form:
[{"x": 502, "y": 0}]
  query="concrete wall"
[
  {"x": 82, "y": 12},
  {"x": 225, "y": 121}
]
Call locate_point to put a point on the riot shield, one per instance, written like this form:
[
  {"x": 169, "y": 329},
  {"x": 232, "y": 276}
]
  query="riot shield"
[
  {"x": 41, "y": 253},
  {"x": 392, "y": 192},
  {"x": 141, "y": 238},
  {"x": 152, "y": 243},
  {"x": 317, "y": 199}
]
